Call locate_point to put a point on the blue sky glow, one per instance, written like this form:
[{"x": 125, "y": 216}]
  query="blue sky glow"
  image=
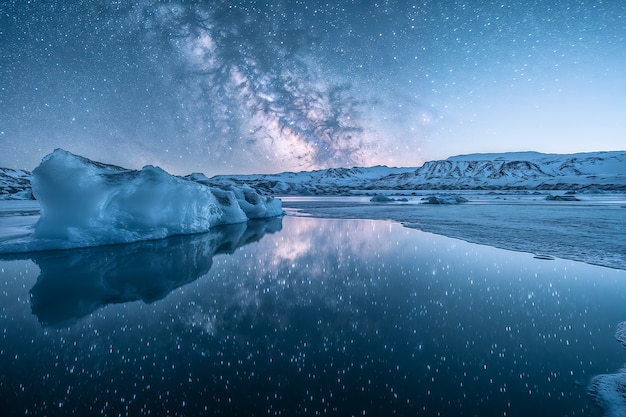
[{"x": 267, "y": 86}]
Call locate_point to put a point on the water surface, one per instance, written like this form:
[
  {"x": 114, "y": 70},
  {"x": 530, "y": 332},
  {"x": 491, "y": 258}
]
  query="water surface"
[{"x": 311, "y": 316}]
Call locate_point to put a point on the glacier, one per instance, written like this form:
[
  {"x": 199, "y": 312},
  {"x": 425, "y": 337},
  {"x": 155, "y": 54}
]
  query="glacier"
[{"x": 86, "y": 203}]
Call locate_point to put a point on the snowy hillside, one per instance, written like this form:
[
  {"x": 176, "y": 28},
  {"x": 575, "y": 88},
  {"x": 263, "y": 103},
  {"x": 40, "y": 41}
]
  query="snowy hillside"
[
  {"x": 15, "y": 184},
  {"x": 526, "y": 170},
  {"x": 512, "y": 171},
  {"x": 505, "y": 171},
  {"x": 326, "y": 181}
]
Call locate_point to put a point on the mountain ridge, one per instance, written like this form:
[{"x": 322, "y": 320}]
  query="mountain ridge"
[
  {"x": 500, "y": 171},
  {"x": 590, "y": 171}
]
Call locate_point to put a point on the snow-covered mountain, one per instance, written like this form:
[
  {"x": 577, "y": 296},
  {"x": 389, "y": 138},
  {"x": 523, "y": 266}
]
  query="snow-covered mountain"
[
  {"x": 319, "y": 182},
  {"x": 523, "y": 171},
  {"x": 506, "y": 171},
  {"x": 15, "y": 184}
]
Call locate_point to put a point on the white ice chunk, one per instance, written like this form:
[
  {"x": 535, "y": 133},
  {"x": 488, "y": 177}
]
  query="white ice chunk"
[
  {"x": 86, "y": 203},
  {"x": 254, "y": 205}
]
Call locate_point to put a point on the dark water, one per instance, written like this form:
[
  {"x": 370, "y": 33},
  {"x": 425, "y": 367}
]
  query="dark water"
[{"x": 311, "y": 316}]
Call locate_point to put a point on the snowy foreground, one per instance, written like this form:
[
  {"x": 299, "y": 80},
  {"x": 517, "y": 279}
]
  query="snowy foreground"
[{"x": 85, "y": 203}]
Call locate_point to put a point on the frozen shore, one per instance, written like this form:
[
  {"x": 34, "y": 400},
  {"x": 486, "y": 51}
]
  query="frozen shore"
[{"x": 590, "y": 230}]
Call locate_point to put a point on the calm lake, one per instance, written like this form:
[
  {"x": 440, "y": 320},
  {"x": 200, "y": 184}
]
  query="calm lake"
[{"x": 304, "y": 316}]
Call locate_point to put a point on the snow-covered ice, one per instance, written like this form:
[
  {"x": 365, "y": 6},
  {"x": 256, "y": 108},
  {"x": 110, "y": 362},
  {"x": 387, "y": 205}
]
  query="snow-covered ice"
[
  {"x": 86, "y": 203},
  {"x": 620, "y": 333},
  {"x": 608, "y": 390},
  {"x": 590, "y": 230},
  {"x": 444, "y": 199},
  {"x": 381, "y": 198}
]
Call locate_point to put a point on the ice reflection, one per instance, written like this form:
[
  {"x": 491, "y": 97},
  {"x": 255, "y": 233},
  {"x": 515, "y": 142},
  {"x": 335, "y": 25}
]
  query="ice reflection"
[{"x": 74, "y": 283}]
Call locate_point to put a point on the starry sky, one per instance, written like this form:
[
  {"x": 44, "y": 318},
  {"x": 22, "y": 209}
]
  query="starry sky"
[{"x": 268, "y": 86}]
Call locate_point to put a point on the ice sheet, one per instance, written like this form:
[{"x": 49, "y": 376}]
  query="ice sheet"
[{"x": 590, "y": 231}]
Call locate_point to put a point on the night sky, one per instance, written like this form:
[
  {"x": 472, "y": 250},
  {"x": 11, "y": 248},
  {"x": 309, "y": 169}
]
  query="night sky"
[{"x": 269, "y": 86}]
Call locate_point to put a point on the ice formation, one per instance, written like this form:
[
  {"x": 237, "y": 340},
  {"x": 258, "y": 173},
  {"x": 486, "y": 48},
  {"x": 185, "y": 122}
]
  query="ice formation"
[
  {"x": 620, "y": 333},
  {"x": 608, "y": 390},
  {"x": 381, "y": 198},
  {"x": 86, "y": 203},
  {"x": 444, "y": 199}
]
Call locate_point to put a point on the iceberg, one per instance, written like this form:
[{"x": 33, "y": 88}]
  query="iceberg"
[
  {"x": 608, "y": 390},
  {"x": 86, "y": 203},
  {"x": 254, "y": 205}
]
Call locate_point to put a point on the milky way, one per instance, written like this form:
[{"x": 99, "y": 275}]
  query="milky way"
[{"x": 267, "y": 86}]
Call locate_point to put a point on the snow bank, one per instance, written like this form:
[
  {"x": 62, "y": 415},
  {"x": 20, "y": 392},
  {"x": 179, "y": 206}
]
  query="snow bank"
[{"x": 86, "y": 203}]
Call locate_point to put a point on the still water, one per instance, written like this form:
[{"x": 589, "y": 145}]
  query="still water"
[{"x": 303, "y": 316}]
